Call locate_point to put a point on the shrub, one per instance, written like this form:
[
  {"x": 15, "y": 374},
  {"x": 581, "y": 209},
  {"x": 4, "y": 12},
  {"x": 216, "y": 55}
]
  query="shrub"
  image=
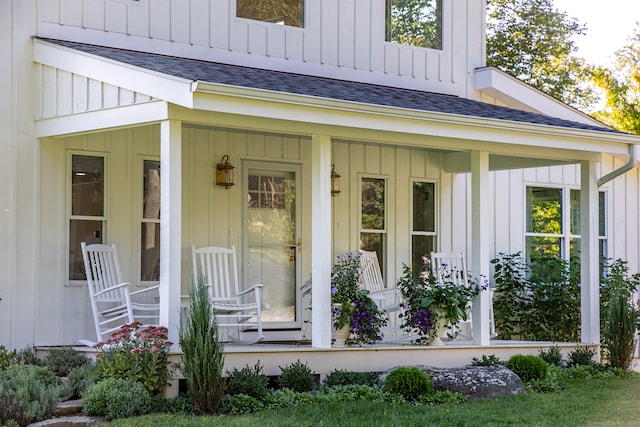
[
  {"x": 138, "y": 353},
  {"x": 619, "y": 330},
  {"x": 62, "y": 360},
  {"x": 239, "y": 404},
  {"x": 28, "y": 393},
  {"x": 202, "y": 357},
  {"x": 410, "y": 382},
  {"x": 553, "y": 356},
  {"x": 490, "y": 360},
  {"x": 298, "y": 377},
  {"x": 27, "y": 356},
  {"x": 7, "y": 358},
  {"x": 248, "y": 381},
  {"x": 581, "y": 356},
  {"x": 82, "y": 377},
  {"x": 528, "y": 367},
  {"x": 116, "y": 398},
  {"x": 343, "y": 377}
]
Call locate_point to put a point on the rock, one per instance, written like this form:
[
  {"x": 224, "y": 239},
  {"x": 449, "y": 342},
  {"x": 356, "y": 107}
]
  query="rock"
[
  {"x": 77, "y": 421},
  {"x": 476, "y": 382},
  {"x": 67, "y": 408}
]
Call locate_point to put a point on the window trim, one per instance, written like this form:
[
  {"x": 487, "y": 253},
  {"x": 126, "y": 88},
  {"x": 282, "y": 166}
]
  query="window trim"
[{"x": 68, "y": 212}]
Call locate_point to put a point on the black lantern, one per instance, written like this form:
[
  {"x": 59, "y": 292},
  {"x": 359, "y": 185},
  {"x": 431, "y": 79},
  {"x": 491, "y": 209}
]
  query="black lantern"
[
  {"x": 335, "y": 181},
  {"x": 224, "y": 172}
]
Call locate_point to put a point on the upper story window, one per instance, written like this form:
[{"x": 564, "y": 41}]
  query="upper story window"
[
  {"x": 414, "y": 22},
  {"x": 283, "y": 12}
]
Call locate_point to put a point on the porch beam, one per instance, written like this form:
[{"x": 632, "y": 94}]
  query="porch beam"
[
  {"x": 589, "y": 254},
  {"x": 480, "y": 242},
  {"x": 170, "y": 225},
  {"x": 321, "y": 241}
]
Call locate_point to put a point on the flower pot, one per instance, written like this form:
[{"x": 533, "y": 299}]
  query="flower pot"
[
  {"x": 340, "y": 336},
  {"x": 441, "y": 329}
]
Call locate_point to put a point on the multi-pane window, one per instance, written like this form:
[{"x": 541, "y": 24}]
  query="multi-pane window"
[
  {"x": 553, "y": 224},
  {"x": 414, "y": 22},
  {"x": 423, "y": 229},
  {"x": 150, "y": 222},
  {"x": 283, "y": 12},
  {"x": 87, "y": 216},
  {"x": 373, "y": 227}
]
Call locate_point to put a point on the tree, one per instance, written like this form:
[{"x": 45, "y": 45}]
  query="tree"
[
  {"x": 533, "y": 41},
  {"x": 621, "y": 87}
]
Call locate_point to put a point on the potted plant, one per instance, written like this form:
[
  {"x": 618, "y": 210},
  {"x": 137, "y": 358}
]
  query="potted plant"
[
  {"x": 431, "y": 305},
  {"x": 355, "y": 317}
]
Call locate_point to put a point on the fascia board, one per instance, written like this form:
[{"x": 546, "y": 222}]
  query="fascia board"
[
  {"x": 92, "y": 121},
  {"x": 303, "y": 108},
  {"x": 152, "y": 83}
]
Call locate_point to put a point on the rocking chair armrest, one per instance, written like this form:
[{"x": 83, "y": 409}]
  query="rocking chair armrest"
[
  {"x": 255, "y": 287},
  {"x": 147, "y": 289},
  {"x": 113, "y": 288},
  {"x": 383, "y": 293}
]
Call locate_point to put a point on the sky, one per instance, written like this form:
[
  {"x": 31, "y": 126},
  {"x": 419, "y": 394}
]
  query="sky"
[{"x": 609, "y": 24}]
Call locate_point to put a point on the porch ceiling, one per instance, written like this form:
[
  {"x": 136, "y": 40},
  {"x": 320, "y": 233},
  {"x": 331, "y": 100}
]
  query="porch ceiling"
[{"x": 207, "y": 93}]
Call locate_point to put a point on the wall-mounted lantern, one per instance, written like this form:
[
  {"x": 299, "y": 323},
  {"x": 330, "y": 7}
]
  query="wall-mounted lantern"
[
  {"x": 335, "y": 181},
  {"x": 224, "y": 172}
]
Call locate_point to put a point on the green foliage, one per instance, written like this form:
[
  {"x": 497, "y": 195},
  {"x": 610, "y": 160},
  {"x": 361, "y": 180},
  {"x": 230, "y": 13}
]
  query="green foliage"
[
  {"x": 298, "y": 377},
  {"x": 7, "y": 358},
  {"x": 27, "y": 356},
  {"x": 138, "y": 353},
  {"x": 528, "y": 367},
  {"x": 282, "y": 398},
  {"x": 545, "y": 307},
  {"x": 581, "y": 356},
  {"x": 116, "y": 398},
  {"x": 442, "y": 397},
  {"x": 409, "y": 382},
  {"x": 553, "y": 356},
  {"x": 239, "y": 404},
  {"x": 550, "y": 383},
  {"x": 533, "y": 41},
  {"x": 248, "y": 381},
  {"x": 490, "y": 360},
  {"x": 62, "y": 360},
  {"x": 203, "y": 357},
  {"x": 28, "y": 393},
  {"x": 619, "y": 331},
  {"x": 344, "y": 377},
  {"x": 82, "y": 377}
]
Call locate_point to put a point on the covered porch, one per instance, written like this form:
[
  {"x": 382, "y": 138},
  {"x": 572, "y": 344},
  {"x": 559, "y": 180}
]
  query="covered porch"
[{"x": 190, "y": 117}]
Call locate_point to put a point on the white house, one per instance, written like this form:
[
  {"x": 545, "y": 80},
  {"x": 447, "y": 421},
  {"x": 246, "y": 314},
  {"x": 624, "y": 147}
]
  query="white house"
[{"x": 103, "y": 99}]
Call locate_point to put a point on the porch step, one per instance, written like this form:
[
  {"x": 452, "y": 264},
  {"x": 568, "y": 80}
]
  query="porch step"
[{"x": 69, "y": 414}]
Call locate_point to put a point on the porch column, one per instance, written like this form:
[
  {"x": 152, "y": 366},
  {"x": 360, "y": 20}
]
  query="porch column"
[
  {"x": 321, "y": 241},
  {"x": 480, "y": 242},
  {"x": 170, "y": 225},
  {"x": 589, "y": 254}
]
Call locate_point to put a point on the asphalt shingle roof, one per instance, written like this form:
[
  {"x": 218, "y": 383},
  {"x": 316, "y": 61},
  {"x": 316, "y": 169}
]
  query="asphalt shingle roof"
[{"x": 278, "y": 81}]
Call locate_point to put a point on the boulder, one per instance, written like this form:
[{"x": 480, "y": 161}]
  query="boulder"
[{"x": 476, "y": 382}]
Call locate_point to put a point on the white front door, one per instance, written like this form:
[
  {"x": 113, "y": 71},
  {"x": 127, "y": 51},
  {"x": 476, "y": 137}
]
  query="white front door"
[{"x": 272, "y": 244}]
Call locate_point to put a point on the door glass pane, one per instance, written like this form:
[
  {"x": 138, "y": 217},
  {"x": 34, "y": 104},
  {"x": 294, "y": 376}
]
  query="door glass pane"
[
  {"x": 81, "y": 231},
  {"x": 271, "y": 236},
  {"x": 150, "y": 252},
  {"x": 283, "y": 12},
  {"x": 151, "y": 190},
  {"x": 544, "y": 210},
  {"x": 421, "y": 246},
  {"x": 373, "y": 198},
  {"x": 424, "y": 206},
  {"x": 87, "y": 186}
]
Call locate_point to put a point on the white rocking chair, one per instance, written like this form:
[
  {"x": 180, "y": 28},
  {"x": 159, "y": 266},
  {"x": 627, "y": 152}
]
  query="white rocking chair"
[
  {"x": 219, "y": 269},
  {"x": 387, "y": 299},
  {"x": 110, "y": 296}
]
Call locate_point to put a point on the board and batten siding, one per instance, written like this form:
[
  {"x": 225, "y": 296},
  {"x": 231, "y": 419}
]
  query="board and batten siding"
[{"x": 341, "y": 38}]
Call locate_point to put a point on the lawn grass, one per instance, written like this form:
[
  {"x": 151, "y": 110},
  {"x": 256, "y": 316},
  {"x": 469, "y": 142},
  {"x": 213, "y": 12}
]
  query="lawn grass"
[{"x": 583, "y": 402}]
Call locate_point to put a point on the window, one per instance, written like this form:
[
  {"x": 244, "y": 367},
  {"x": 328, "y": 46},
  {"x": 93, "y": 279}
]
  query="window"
[
  {"x": 553, "y": 224},
  {"x": 150, "y": 222},
  {"x": 423, "y": 229},
  {"x": 373, "y": 226},
  {"x": 414, "y": 22},
  {"x": 87, "y": 214},
  {"x": 283, "y": 12}
]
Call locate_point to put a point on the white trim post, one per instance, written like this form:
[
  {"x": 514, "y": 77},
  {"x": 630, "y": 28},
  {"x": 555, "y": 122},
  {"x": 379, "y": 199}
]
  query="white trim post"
[
  {"x": 480, "y": 242},
  {"x": 170, "y": 226},
  {"x": 321, "y": 241},
  {"x": 589, "y": 254}
]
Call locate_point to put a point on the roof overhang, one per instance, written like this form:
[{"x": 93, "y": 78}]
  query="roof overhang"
[{"x": 213, "y": 104}]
